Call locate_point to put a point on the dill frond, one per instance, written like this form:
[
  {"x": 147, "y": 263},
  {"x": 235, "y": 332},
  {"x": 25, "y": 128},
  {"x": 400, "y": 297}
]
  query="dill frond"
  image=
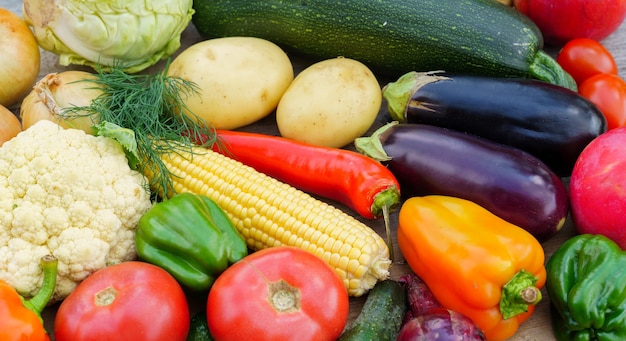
[{"x": 151, "y": 105}]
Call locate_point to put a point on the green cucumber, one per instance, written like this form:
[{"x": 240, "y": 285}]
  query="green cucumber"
[
  {"x": 199, "y": 328},
  {"x": 392, "y": 37},
  {"x": 381, "y": 316}
]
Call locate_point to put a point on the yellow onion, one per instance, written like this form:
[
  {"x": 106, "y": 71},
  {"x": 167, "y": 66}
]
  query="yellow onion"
[
  {"x": 9, "y": 125},
  {"x": 19, "y": 58},
  {"x": 55, "y": 93}
]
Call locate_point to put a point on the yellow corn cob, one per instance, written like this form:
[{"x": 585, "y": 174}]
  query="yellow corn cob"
[{"x": 269, "y": 213}]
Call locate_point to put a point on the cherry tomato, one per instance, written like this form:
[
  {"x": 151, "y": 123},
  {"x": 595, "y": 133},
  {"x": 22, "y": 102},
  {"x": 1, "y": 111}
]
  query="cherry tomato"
[
  {"x": 280, "y": 293},
  {"x": 608, "y": 93},
  {"x": 584, "y": 57},
  {"x": 128, "y": 301}
]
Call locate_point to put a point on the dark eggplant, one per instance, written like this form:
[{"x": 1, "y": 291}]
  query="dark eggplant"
[
  {"x": 507, "y": 181},
  {"x": 548, "y": 121}
]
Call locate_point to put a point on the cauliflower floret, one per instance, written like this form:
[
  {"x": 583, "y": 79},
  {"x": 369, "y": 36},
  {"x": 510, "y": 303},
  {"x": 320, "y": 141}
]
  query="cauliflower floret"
[{"x": 70, "y": 194}]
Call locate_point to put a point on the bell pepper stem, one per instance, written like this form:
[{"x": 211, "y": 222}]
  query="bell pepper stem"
[
  {"x": 518, "y": 293},
  {"x": 37, "y": 303}
]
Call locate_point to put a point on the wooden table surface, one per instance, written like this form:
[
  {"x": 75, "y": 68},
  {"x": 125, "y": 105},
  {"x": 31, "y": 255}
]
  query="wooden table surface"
[{"x": 536, "y": 328}]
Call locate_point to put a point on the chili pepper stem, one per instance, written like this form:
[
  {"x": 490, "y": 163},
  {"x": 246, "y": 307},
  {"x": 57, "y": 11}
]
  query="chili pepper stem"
[
  {"x": 518, "y": 293},
  {"x": 388, "y": 198},
  {"x": 37, "y": 303},
  {"x": 384, "y": 203},
  {"x": 386, "y": 210}
]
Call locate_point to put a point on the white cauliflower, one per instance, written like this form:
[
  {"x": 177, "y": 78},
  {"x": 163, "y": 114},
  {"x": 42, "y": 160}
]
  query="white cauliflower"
[{"x": 70, "y": 194}]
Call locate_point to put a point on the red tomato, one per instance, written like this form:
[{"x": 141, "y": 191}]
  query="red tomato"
[
  {"x": 598, "y": 199},
  {"x": 564, "y": 20},
  {"x": 584, "y": 57},
  {"x": 128, "y": 301},
  {"x": 608, "y": 93},
  {"x": 280, "y": 293}
]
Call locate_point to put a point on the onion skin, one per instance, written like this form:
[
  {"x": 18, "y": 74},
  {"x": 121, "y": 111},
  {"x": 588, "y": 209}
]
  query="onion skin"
[
  {"x": 428, "y": 320},
  {"x": 9, "y": 125},
  {"x": 56, "y": 92},
  {"x": 440, "y": 324},
  {"x": 421, "y": 299},
  {"x": 19, "y": 58}
]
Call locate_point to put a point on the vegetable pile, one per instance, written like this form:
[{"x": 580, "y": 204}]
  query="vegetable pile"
[{"x": 315, "y": 171}]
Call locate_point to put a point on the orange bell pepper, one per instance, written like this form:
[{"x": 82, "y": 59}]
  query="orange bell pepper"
[
  {"x": 474, "y": 262},
  {"x": 20, "y": 319}
]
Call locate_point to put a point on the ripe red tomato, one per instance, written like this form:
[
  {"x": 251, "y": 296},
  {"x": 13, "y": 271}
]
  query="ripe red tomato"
[
  {"x": 564, "y": 20},
  {"x": 128, "y": 301},
  {"x": 608, "y": 93},
  {"x": 584, "y": 57},
  {"x": 598, "y": 199},
  {"x": 280, "y": 293}
]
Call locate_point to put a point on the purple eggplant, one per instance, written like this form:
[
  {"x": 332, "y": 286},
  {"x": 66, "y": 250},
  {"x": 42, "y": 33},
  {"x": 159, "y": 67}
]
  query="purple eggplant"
[
  {"x": 428, "y": 320},
  {"x": 507, "y": 181},
  {"x": 550, "y": 122}
]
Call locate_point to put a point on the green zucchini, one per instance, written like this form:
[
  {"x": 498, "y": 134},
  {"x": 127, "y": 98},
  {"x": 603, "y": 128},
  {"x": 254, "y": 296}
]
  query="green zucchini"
[
  {"x": 381, "y": 316},
  {"x": 199, "y": 328},
  {"x": 392, "y": 37}
]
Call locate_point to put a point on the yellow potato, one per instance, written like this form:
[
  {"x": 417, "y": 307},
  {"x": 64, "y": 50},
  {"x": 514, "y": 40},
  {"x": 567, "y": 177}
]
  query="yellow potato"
[
  {"x": 330, "y": 103},
  {"x": 241, "y": 79}
]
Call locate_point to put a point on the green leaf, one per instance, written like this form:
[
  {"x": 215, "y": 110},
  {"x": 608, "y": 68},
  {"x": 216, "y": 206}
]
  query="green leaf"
[{"x": 124, "y": 136}]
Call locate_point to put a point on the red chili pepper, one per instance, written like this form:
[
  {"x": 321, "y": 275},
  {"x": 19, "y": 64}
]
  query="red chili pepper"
[
  {"x": 357, "y": 181},
  {"x": 345, "y": 176}
]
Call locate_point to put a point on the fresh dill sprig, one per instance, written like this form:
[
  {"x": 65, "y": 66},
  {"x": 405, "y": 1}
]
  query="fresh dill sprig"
[{"x": 153, "y": 107}]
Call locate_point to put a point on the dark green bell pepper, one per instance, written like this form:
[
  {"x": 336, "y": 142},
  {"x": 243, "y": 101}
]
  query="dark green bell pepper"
[
  {"x": 586, "y": 284},
  {"x": 191, "y": 237}
]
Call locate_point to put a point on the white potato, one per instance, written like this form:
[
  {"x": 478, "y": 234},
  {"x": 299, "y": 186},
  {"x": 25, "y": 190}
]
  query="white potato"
[
  {"x": 330, "y": 103},
  {"x": 241, "y": 79}
]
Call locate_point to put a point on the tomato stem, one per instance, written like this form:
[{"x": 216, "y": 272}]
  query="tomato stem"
[
  {"x": 284, "y": 297},
  {"x": 105, "y": 297}
]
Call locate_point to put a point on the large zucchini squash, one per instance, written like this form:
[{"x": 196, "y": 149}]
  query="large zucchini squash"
[{"x": 392, "y": 37}]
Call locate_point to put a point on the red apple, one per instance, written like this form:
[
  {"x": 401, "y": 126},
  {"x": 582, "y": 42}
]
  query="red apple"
[
  {"x": 598, "y": 187},
  {"x": 563, "y": 20}
]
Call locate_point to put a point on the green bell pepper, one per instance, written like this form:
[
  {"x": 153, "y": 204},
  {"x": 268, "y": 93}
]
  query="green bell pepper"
[
  {"x": 586, "y": 283},
  {"x": 191, "y": 237}
]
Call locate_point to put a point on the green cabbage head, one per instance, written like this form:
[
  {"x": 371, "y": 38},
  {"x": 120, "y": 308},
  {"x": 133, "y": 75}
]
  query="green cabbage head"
[{"x": 134, "y": 34}]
